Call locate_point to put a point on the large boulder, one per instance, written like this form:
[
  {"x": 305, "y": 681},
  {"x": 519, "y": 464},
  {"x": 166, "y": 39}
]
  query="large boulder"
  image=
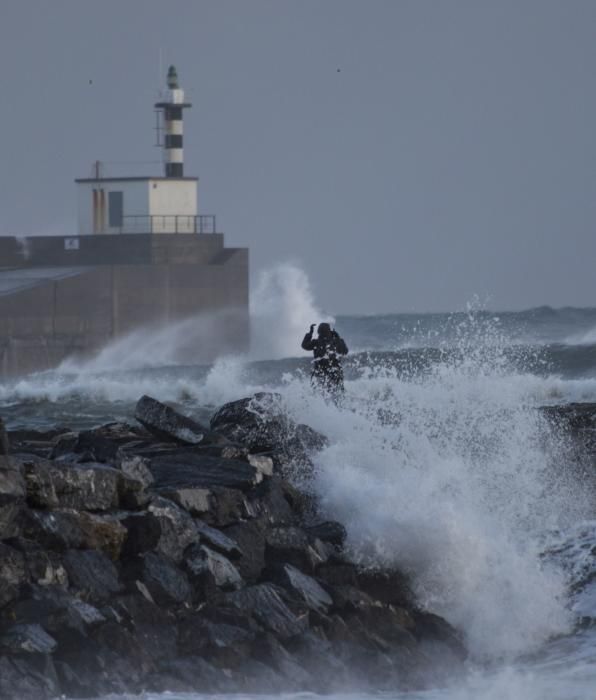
[
  {"x": 28, "y": 638},
  {"x": 264, "y": 602},
  {"x": 12, "y": 496},
  {"x": 92, "y": 573},
  {"x": 167, "y": 424},
  {"x": 206, "y": 565},
  {"x": 303, "y": 587},
  {"x": 290, "y": 545},
  {"x": 161, "y": 578},
  {"x": 60, "y": 485},
  {"x": 13, "y": 573},
  {"x": 187, "y": 469},
  {"x": 178, "y": 529},
  {"x": 261, "y": 423},
  {"x": 72, "y": 529}
]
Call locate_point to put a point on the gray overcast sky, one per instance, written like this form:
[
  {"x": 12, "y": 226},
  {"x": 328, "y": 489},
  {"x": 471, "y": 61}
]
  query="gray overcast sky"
[{"x": 408, "y": 154}]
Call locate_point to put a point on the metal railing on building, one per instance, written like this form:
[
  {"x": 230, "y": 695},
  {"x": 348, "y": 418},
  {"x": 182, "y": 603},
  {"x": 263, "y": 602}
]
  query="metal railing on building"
[{"x": 174, "y": 223}]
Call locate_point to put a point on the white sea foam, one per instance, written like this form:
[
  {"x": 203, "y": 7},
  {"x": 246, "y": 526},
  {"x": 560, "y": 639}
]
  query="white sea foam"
[{"x": 453, "y": 476}]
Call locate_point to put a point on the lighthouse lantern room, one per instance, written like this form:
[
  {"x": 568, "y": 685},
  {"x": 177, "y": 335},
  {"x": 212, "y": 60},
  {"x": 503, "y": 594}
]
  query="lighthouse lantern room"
[{"x": 163, "y": 204}]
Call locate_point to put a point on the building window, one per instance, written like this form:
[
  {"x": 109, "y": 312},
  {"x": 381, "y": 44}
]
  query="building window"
[{"x": 115, "y": 209}]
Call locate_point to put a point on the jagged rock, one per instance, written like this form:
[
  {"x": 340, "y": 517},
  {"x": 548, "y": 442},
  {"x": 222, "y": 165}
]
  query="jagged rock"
[
  {"x": 31, "y": 639},
  {"x": 260, "y": 423},
  {"x": 195, "y": 501},
  {"x": 202, "y": 562},
  {"x": 136, "y": 468},
  {"x": 44, "y": 566},
  {"x": 223, "y": 644},
  {"x": 261, "y": 463},
  {"x": 21, "y": 681},
  {"x": 303, "y": 587},
  {"x": 228, "y": 506},
  {"x": 13, "y": 573},
  {"x": 143, "y": 532},
  {"x": 178, "y": 529},
  {"x": 12, "y": 496},
  {"x": 83, "y": 487},
  {"x": 166, "y": 423},
  {"x": 92, "y": 573},
  {"x": 251, "y": 540},
  {"x": 270, "y": 500},
  {"x": 264, "y": 602},
  {"x": 4, "y": 445},
  {"x": 96, "y": 445},
  {"x": 217, "y": 540},
  {"x": 328, "y": 531},
  {"x": 336, "y": 574},
  {"x": 346, "y": 597},
  {"x": 73, "y": 529},
  {"x": 195, "y": 672},
  {"x": 166, "y": 583},
  {"x": 386, "y": 586},
  {"x": 185, "y": 469},
  {"x": 259, "y": 679},
  {"x": 291, "y": 545},
  {"x": 271, "y": 652},
  {"x": 427, "y": 626}
]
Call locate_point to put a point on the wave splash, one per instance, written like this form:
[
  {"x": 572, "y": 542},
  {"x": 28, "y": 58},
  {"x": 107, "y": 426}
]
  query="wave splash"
[{"x": 455, "y": 477}]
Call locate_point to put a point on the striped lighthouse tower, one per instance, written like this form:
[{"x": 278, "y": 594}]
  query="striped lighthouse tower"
[{"x": 172, "y": 108}]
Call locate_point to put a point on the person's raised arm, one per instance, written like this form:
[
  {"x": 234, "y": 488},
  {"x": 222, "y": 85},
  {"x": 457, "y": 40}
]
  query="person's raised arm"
[
  {"x": 307, "y": 343},
  {"x": 340, "y": 344}
]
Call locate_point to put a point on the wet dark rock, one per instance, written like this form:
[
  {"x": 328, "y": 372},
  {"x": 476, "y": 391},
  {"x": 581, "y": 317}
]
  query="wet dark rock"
[
  {"x": 4, "y": 444},
  {"x": 167, "y": 424},
  {"x": 265, "y": 603},
  {"x": 386, "y": 586},
  {"x": 271, "y": 652},
  {"x": 250, "y": 538},
  {"x": 13, "y": 573},
  {"x": 92, "y": 573},
  {"x": 143, "y": 532},
  {"x": 73, "y": 529},
  {"x": 197, "y": 501},
  {"x": 328, "y": 531},
  {"x": 44, "y": 566},
  {"x": 303, "y": 587},
  {"x": 337, "y": 574},
  {"x": 30, "y": 639},
  {"x": 217, "y": 540},
  {"x": 220, "y": 643},
  {"x": 12, "y": 496},
  {"x": 261, "y": 423},
  {"x": 428, "y": 626},
  {"x": 258, "y": 678},
  {"x": 203, "y": 562},
  {"x": 22, "y": 681},
  {"x": 185, "y": 469},
  {"x": 93, "y": 487},
  {"x": 228, "y": 506},
  {"x": 291, "y": 545},
  {"x": 137, "y": 469},
  {"x": 164, "y": 581},
  {"x": 272, "y": 500},
  {"x": 178, "y": 529}
]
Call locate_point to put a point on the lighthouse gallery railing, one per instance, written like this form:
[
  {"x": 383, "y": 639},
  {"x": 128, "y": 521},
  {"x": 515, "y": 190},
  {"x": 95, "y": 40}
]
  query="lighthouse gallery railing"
[{"x": 174, "y": 223}]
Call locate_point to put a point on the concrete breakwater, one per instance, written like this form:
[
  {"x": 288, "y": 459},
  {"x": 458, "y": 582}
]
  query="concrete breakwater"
[{"x": 171, "y": 555}]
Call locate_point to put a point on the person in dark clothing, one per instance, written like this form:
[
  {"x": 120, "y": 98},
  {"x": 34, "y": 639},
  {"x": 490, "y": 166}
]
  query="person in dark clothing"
[{"x": 327, "y": 374}]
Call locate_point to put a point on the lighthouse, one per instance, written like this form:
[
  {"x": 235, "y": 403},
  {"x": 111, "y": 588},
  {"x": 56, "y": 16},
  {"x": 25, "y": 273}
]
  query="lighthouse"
[
  {"x": 158, "y": 205},
  {"x": 172, "y": 108}
]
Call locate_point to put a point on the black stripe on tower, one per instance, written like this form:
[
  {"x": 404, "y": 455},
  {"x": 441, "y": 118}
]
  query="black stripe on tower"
[
  {"x": 173, "y": 113},
  {"x": 173, "y": 141},
  {"x": 174, "y": 169}
]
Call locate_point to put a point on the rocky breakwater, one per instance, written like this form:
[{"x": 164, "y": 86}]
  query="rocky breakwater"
[{"x": 173, "y": 556}]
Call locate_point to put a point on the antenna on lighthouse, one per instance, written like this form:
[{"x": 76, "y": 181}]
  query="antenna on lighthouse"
[{"x": 170, "y": 111}]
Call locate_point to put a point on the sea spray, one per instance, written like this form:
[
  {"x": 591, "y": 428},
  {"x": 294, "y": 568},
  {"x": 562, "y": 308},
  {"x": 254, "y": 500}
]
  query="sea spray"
[
  {"x": 454, "y": 476},
  {"x": 282, "y": 308}
]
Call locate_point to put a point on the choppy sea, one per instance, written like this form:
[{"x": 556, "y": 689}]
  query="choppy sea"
[{"x": 438, "y": 461}]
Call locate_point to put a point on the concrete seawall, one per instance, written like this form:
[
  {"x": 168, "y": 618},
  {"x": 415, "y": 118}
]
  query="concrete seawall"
[{"x": 63, "y": 296}]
